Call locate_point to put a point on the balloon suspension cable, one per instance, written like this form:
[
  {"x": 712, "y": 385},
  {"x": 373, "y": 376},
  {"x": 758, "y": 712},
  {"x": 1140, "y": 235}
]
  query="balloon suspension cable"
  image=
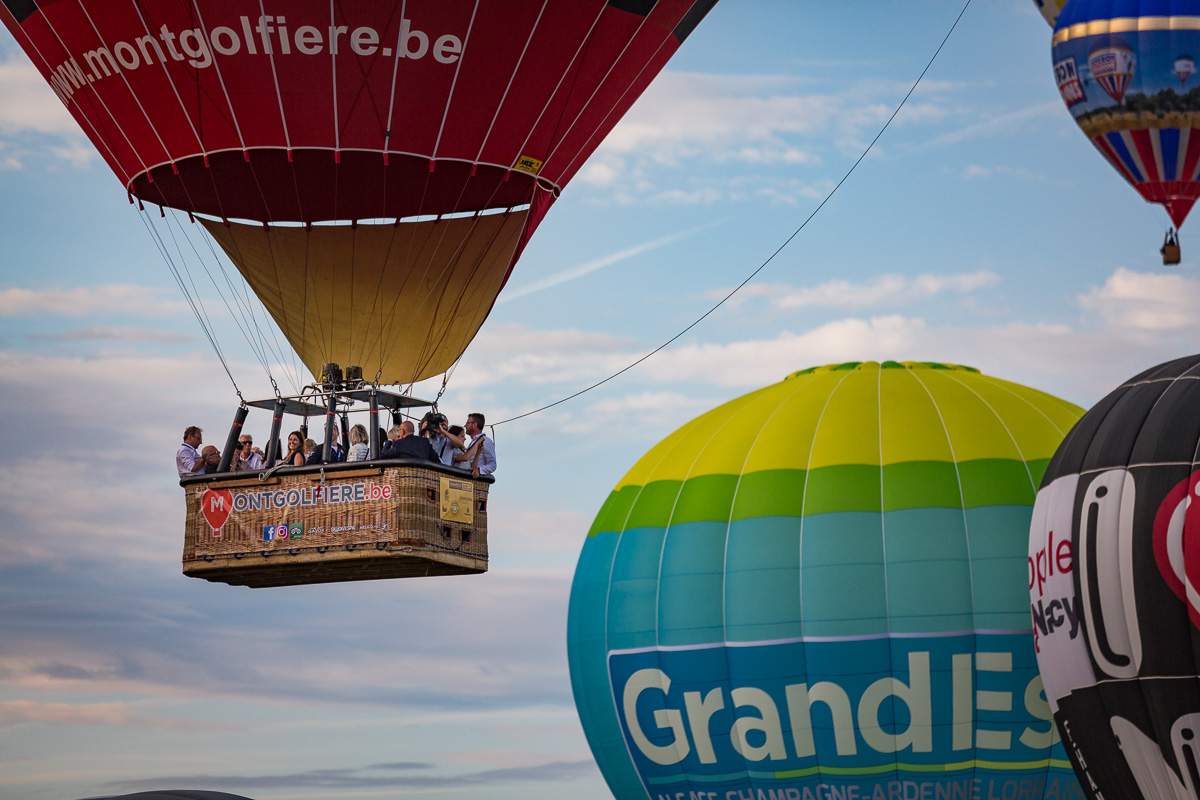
[
  {"x": 778, "y": 250},
  {"x": 446, "y": 380},
  {"x": 196, "y": 304}
]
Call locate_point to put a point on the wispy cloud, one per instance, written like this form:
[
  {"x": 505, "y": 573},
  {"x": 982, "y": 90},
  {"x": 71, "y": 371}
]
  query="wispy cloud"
[
  {"x": 107, "y": 300},
  {"x": 975, "y": 171},
  {"x": 113, "y": 333},
  {"x": 883, "y": 291},
  {"x": 18, "y": 712},
  {"x": 378, "y": 776},
  {"x": 749, "y": 122},
  {"x": 998, "y": 125},
  {"x": 597, "y": 264}
]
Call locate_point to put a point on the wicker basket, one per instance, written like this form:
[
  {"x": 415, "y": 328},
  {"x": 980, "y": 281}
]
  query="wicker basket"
[{"x": 342, "y": 522}]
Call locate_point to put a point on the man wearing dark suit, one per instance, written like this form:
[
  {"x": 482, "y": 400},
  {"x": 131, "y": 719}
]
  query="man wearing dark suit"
[
  {"x": 336, "y": 454},
  {"x": 407, "y": 445}
]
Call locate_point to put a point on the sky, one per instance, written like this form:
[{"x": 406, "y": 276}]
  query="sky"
[{"x": 981, "y": 229}]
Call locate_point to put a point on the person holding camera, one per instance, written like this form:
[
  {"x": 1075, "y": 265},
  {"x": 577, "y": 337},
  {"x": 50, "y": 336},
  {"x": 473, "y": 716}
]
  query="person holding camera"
[
  {"x": 480, "y": 455},
  {"x": 247, "y": 456},
  {"x": 434, "y": 427}
]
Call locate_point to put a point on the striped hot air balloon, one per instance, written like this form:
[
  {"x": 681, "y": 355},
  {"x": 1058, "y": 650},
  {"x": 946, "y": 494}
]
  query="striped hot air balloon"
[
  {"x": 1118, "y": 66},
  {"x": 818, "y": 590}
]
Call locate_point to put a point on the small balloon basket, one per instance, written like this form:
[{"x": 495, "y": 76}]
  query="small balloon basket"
[{"x": 337, "y": 522}]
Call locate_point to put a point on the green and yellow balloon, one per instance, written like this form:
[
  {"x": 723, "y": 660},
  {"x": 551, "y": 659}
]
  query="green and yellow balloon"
[{"x": 819, "y": 590}]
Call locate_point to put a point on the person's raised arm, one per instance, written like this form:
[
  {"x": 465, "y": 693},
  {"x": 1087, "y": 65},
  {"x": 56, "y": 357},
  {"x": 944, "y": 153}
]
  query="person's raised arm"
[
  {"x": 469, "y": 453},
  {"x": 457, "y": 439}
]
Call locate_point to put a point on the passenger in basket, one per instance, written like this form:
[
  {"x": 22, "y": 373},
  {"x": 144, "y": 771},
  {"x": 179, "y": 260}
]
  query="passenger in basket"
[
  {"x": 247, "y": 456},
  {"x": 295, "y": 453},
  {"x": 212, "y": 459},
  {"x": 394, "y": 434},
  {"x": 309, "y": 446},
  {"x": 480, "y": 455},
  {"x": 359, "y": 449},
  {"x": 336, "y": 453},
  {"x": 433, "y": 426},
  {"x": 406, "y": 445},
  {"x": 457, "y": 440},
  {"x": 187, "y": 461}
]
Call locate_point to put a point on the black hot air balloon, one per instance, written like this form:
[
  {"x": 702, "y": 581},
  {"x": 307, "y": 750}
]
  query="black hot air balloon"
[{"x": 1114, "y": 559}]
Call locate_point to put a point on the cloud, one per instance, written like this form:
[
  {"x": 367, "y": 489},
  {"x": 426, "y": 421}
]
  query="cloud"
[
  {"x": 80, "y": 301},
  {"x": 1146, "y": 301},
  {"x": 880, "y": 292},
  {"x": 113, "y": 333},
  {"x": 747, "y": 121},
  {"x": 1013, "y": 122},
  {"x": 89, "y": 576},
  {"x": 27, "y": 104},
  {"x": 596, "y": 264},
  {"x": 973, "y": 171},
  {"x": 539, "y": 531},
  {"x": 378, "y": 776},
  {"x": 730, "y": 117},
  {"x": 34, "y": 120},
  {"x": 759, "y": 362},
  {"x": 67, "y": 629},
  {"x": 19, "y": 712},
  {"x": 513, "y": 351}
]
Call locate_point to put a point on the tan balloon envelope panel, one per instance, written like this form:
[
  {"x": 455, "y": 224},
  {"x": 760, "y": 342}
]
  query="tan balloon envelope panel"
[{"x": 402, "y": 300}]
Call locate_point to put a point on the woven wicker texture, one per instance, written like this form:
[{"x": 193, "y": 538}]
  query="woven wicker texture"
[{"x": 326, "y": 527}]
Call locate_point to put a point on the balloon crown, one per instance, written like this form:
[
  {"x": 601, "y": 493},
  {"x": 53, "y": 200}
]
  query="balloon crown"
[{"x": 848, "y": 365}]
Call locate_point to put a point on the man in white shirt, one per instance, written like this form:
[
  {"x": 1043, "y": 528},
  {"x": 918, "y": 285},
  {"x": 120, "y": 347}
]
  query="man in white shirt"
[
  {"x": 187, "y": 459},
  {"x": 480, "y": 455}
]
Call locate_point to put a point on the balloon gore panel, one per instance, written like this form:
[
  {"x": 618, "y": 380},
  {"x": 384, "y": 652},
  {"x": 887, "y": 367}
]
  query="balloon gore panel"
[
  {"x": 358, "y": 295},
  {"x": 303, "y": 111}
]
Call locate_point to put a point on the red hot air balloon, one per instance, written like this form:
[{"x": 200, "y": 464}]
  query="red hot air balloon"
[{"x": 459, "y": 122}]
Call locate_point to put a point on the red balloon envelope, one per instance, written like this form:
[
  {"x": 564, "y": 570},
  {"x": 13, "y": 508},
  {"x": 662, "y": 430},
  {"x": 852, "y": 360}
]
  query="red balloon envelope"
[{"x": 304, "y": 111}]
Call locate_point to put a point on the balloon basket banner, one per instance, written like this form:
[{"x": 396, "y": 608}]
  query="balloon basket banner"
[{"x": 330, "y": 525}]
